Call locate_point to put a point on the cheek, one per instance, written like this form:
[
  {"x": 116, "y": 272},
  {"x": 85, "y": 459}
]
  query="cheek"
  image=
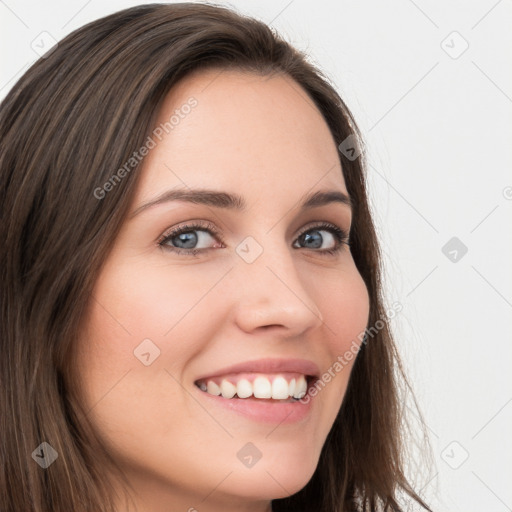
[
  {"x": 345, "y": 307},
  {"x": 149, "y": 300},
  {"x": 119, "y": 392},
  {"x": 138, "y": 308},
  {"x": 128, "y": 315},
  {"x": 344, "y": 304}
]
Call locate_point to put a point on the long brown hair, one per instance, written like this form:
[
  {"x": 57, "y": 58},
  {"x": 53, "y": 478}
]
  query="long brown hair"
[{"x": 74, "y": 118}]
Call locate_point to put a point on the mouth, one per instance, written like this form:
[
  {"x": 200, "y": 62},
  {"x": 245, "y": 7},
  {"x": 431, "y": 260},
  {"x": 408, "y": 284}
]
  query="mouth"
[
  {"x": 285, "y": 387},
  {"x": 279, "y": 399},
  {"x": 265, "y": 390}
]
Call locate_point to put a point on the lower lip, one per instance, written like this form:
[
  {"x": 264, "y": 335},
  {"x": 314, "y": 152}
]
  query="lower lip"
[{"x": 263, "y": 411}]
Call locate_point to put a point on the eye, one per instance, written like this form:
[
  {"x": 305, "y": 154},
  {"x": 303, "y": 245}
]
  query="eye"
[
  {"x": 184, "y": 239},
  {"x": 310, "y": 236}
]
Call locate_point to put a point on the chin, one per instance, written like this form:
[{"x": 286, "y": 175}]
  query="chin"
[{"x": 278, "y": 477}]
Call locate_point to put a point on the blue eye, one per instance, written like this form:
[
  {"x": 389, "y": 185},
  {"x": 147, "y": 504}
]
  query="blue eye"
[
  {"x": 339, "y": 235},
  {"x": 184, "y": 239}
]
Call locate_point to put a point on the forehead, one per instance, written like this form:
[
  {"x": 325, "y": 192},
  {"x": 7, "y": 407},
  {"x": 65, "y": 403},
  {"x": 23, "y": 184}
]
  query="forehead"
[{"x": 241, "y": 131}]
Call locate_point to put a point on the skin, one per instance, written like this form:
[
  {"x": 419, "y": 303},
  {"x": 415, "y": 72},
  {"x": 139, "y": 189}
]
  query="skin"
[{"x": 263, "y": 138}]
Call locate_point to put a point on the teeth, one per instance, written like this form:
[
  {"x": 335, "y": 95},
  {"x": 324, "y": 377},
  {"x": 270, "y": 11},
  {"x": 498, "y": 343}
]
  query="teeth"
[
  {"x": 227, "y": 389},
  {"x": 280, "y": 388},
  {"x": 262, "y": 387},
  {"x": 291, "y": 388},
  {"x": 301, "y": 387},
  {"x": 212, "y": 388},
  {"x": 244, "y": 388}
]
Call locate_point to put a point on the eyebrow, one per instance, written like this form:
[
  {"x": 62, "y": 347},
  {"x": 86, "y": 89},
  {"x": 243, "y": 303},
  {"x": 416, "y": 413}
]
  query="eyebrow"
[{"x": 232, "y": 201}]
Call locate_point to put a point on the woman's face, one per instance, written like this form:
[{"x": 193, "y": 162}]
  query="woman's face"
[{"x": 245, "y": 300}]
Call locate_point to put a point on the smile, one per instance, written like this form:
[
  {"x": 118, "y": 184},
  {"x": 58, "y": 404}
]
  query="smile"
[
  {"x": 281, "y": 386},
  {"x": 271, "y": 390}
]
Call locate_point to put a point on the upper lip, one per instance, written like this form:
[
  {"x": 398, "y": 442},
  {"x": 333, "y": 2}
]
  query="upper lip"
[{"x": 268, "y": 365}]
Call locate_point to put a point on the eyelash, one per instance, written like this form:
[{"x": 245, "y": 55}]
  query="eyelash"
[{"x": 340, "y": 235}]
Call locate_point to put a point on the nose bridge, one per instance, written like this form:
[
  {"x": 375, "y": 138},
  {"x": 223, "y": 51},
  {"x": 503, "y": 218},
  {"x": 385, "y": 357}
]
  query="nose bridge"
[{"x": 271, "y": 290}]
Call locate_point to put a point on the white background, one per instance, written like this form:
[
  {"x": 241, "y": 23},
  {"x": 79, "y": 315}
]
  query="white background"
[{"x": 436, "y": 123}]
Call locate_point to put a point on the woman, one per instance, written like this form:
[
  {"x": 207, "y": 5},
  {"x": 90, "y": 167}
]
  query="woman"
[{"x": 192, "y": 316}]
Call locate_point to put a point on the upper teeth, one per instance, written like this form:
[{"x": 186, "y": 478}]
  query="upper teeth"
[{"x": 261, "y": 387}]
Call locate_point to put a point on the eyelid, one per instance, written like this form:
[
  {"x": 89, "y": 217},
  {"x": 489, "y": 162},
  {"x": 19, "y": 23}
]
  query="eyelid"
[
  {"x": 323, "y": 224},
  {"x": 191, "y": 225}
]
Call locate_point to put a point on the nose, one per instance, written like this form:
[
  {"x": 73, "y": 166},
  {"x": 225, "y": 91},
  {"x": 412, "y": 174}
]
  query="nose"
[{"x": 272, "y": 295}]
